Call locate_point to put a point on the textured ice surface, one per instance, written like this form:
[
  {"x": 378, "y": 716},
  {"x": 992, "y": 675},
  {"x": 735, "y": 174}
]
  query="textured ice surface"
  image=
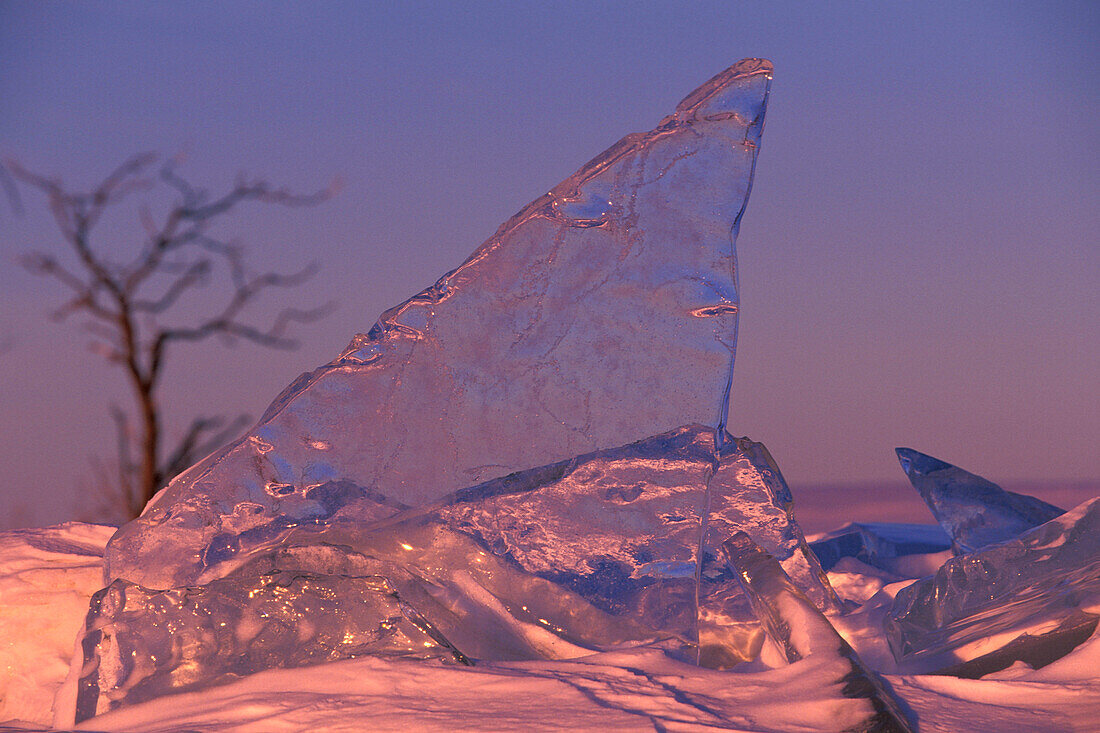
[
  {"x": 613, "y": 537},
  {"x": 295, "y": 607},
  {"x": 603, "y": 312},
  {"x": 612, "y": 549},
  {"x": 878, "y": 543},
  {"x": 1037, "y": 580},
  {"x": 973, "y": 511},
  {"x": 799, "y": 630}
]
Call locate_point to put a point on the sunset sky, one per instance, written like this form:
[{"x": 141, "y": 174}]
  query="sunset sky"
[{"x": 918, "y": 262}]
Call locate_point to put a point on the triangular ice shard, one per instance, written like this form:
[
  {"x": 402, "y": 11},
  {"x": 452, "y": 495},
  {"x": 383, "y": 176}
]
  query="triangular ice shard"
[
  {"x": 973, "y": 511},
  {"x": 603, "y": 312}
]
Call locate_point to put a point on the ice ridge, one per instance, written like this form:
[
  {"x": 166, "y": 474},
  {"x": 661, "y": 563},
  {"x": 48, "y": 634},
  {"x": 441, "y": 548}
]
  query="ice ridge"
[{"x": 607, "y": 550}]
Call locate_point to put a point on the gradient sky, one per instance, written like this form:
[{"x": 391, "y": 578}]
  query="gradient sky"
[{"x": 919, "y": 259}]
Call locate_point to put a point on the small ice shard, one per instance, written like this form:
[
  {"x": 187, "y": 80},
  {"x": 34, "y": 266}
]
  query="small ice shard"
[
  {"x": 799, "y": 630},
  {"x": 879, "y": 543},
  {"x": 977, "y": 601},
  {"x": 749, "y": 494},
  {"x": 973, "y": 511},
  {"x": 603, "y": 312}
]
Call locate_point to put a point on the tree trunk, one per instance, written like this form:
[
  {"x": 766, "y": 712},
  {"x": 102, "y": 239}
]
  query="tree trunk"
[{"x": 150, "y": 447}]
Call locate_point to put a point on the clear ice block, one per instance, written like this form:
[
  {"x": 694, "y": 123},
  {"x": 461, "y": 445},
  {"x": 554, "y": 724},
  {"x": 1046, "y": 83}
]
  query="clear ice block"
[
  {"x": 603, "y": 312},
  {"x": 798, "y": 629},
  {"x": 612, "y": 549},
  {"x": 1039, "y": 579},
  {"x": 973, "y": 511}
]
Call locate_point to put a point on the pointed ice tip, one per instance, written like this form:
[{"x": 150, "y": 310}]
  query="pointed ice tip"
[
  {"x": 721, "y": 95},
  {"x": 915, "y": 462}
]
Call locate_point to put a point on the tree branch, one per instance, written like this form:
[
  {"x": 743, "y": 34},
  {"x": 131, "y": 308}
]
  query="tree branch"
[
  {"x": 125, "y": 296},
  {"x": 195, "y": 274},
  {"x": 192, "y": 446},
  {"x": 7, "y": 182}
]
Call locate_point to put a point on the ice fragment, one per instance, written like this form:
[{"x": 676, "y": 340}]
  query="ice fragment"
[
  {"x": 633, "y": 531},
  {"x": 799, "y": 630},
  {"x": 279, "y": 611},
  {"x": 595, "y": 553},
  {"x": 878, "y": 543},
  {"x": 973, "y": 511},
  {"x": 1042, "y": 577}
]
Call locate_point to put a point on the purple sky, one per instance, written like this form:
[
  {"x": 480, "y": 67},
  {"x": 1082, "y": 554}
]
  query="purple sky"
[{"x": 919, "y": 260}]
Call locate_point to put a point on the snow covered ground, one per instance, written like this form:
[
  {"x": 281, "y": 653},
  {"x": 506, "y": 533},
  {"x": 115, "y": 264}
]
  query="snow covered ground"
[
  {"x": 46, "y": 578},
  {"x": 48, "y": 575}
]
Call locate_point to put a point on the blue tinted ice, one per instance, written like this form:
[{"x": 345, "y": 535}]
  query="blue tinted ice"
[
  {"x": 878, "y": 543},
  {"x": 973, "y": 511},
  {"x": 603, "y": 312},
  {"x": 1035, "y": 581},
  {"x": 635, "y": 532}
]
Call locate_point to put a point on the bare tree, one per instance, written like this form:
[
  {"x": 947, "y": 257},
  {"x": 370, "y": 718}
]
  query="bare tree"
[{"x": 125, "y": 296}]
